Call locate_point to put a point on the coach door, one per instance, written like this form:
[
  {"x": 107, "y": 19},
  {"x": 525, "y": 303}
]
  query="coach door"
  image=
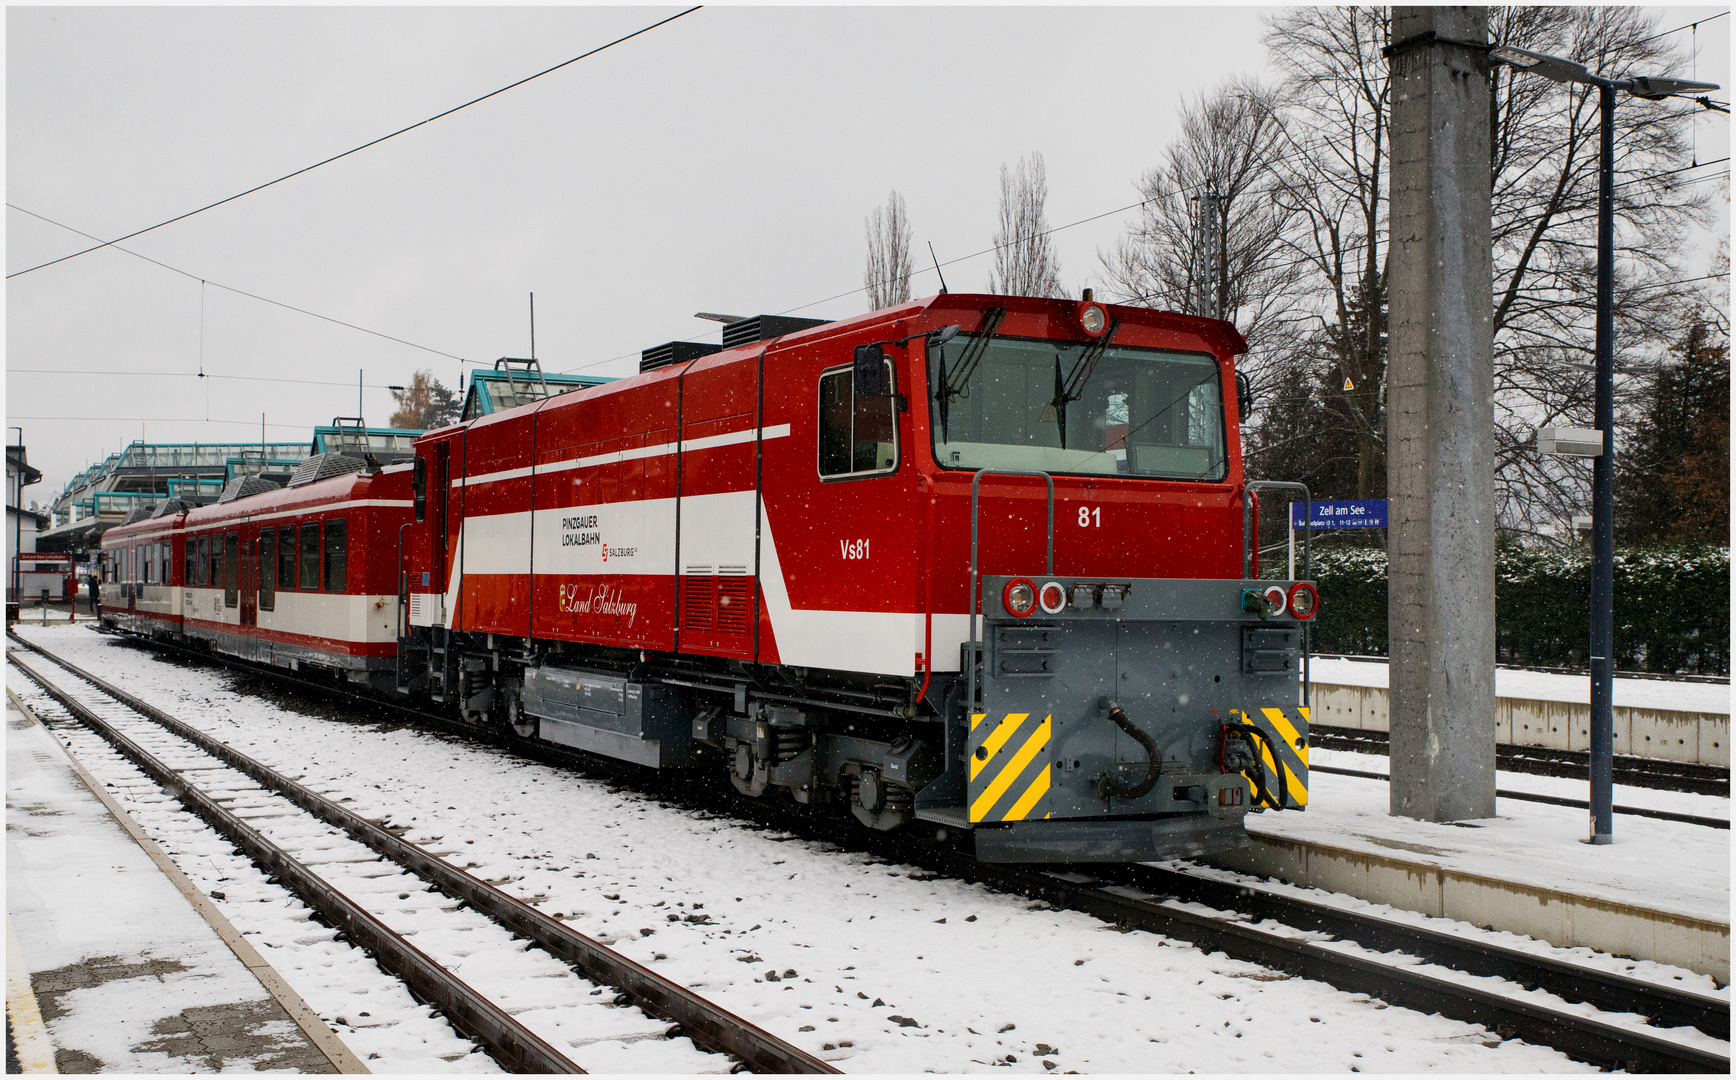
[{"x": 249, "y": 576}]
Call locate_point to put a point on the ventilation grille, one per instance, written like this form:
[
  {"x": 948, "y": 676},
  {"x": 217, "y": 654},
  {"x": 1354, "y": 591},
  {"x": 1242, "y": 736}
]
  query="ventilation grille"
[
  {"x": 734, "y": 599},
  {"x": 323, "y": 467},
  {"x": 171, "y": 506},
  {"x": 765, "y": 327},
  {"x": 675, "y": 352},
  {"x": 137, "y": 513},
  {"x": 698, "y": 599},
  {"x": 243, "y": 486}
]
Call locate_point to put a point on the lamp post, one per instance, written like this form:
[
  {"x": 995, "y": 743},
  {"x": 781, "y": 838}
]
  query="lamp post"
[{"x": 1602, "y": 650}]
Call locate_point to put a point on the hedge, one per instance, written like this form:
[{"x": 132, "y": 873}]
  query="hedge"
[{"x": 1672, "y": 606}]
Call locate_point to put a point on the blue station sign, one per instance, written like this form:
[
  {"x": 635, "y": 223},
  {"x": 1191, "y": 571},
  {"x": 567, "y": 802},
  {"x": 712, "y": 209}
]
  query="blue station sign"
[{"x": 1348, "y": 514}]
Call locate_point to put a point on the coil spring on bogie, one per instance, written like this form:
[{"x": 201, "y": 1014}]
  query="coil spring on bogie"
[{"x": 788, "y": 743}]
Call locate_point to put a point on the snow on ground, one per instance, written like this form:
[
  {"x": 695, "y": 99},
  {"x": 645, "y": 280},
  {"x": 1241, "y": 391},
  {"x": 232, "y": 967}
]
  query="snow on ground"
[
  {"x": 1546, "y": 686},
  {"x": 81, "y": 894},
  {"x": 875, "y": 967}
]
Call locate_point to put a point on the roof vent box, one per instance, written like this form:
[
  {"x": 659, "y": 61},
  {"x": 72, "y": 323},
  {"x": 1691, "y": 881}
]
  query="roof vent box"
[
  {"x": 243, "y": 486},
  {"x": 765, "y": 327},
  {"x": 675, "y": 352},
  {"x": 324, "y": 466}
]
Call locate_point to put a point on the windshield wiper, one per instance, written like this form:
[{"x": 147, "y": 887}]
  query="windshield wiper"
[
  {"x": 948, "y": 388},
  {"x": 1071, "y": 389}
]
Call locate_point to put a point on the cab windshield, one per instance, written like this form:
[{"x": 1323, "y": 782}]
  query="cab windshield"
[{"x": 1067, "y": 407}]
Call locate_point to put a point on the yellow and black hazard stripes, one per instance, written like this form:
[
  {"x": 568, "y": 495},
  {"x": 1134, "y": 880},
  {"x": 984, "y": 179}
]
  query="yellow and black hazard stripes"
[
  {"x": 1009, "y": 768},
  {"x": 1290, "y": 738}
]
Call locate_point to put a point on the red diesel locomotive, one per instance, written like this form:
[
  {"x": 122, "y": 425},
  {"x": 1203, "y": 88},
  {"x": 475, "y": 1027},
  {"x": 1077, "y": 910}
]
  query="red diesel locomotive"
[{"x": 979, "y": 561}]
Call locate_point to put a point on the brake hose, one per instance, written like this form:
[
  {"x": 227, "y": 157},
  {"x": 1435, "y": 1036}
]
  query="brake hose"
[
  {"x": 1111, "y": 786},
  {"x": 1261, "y": 792}
]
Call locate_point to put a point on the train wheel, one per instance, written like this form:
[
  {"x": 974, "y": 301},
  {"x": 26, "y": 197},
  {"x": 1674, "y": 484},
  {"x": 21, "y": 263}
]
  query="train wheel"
[
  {"x": 876, "y": 802},
  {"x": 524, "y": 726},
  {"x": 746, "y": 771}
]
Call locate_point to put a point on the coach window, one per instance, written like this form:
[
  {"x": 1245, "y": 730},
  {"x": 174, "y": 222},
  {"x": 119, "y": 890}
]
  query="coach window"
[
  {"x": 201, "y": 557},
  {"x": 150, "y": 574},
  {"x": 857, "y": 435},
  {"x": 231, "y": 569},
  {"x": 267, "y": 570},
  {"x": 286, "y": 557},
  {"x": 190, "y": 560},
  {"x": 216, "y": 560},
  {"x": 310, "y": 556},
  {"x": 336, "y": 554}
]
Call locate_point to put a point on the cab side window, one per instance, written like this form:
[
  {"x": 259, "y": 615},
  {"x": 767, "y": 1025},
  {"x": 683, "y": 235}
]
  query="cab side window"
[{"x": 857, "y": 435}]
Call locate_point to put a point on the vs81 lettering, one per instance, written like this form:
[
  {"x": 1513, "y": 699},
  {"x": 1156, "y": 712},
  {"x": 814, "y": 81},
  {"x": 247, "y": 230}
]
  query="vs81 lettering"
[{"x": 853, "y": 549}]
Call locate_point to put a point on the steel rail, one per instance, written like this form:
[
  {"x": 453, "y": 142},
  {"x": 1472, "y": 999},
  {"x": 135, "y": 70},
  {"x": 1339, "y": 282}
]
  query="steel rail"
[
  {"x": 1583, "y": 1038},
  {"x": 515, "y": 1046},
  {"x": 1665, "y": 1005},
  {"x": 1657, "y": 773},
  {"x": 706, "y": 1023},
  {"x": 1552, "y": 800}
]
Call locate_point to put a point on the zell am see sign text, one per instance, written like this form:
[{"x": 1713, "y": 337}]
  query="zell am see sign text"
[{"x": 1349, "y": 514}]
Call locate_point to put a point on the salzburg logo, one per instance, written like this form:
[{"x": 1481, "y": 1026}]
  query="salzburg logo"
[{"x": 605, "y": 552}]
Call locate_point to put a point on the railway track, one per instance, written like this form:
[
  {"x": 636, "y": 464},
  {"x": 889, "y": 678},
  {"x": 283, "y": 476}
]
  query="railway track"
[
  {"x": 1541, "y": 761},
  {"x": 1552, "y": 800},
  {"x": 276, "y": 827},
  {"x": 1539, "y": 998}
]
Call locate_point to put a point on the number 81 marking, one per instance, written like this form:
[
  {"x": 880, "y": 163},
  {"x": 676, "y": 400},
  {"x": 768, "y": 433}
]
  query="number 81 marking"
[{"x": 1090, "y": 517}]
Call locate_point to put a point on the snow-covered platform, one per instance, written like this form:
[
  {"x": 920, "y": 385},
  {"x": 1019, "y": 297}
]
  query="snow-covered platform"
[
  {"x": 130, "y": 968},
  {"x": 1661, "y": 892}
]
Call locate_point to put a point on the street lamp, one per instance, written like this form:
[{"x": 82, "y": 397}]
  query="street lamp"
[{"x": 1652, "y": 88}]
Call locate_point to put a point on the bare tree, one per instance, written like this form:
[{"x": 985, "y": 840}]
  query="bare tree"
[
  {"x": 1543, "y": 171},
  {"x": 1221, "y": 165},
  {"x": 1544, "y": 177},
  {"x": 1025, "y": 262},
  {"x": 887, "y": 276},
  {"x": 1332, "y": 171}
]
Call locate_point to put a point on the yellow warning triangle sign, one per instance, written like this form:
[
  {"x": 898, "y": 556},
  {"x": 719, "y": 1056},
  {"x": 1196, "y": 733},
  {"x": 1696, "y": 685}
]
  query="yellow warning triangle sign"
[{"x": 1348, "y": 385}]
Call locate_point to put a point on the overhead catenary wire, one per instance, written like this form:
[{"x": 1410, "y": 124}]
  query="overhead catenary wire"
[
  {"x": 187, "y": 375},
  {"x": 364, "y": 146},
  {"x": 239, "y": 292}
]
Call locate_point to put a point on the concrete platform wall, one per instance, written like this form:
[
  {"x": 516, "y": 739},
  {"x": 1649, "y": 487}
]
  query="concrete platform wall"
[
  {"x": 1560, "y": 725},
  {"x": 1557, "y": 917}
]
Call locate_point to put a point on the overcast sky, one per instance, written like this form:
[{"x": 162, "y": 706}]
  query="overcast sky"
[{"x": 723, "y": 162}]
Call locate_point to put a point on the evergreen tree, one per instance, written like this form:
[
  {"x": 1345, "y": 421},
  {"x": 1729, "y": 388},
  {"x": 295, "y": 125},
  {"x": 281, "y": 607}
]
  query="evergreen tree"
[{"x": 1673, "y": 475}]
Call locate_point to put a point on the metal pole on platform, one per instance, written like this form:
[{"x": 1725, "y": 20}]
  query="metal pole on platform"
[
  {"x": 1602, "y": 797},
  {"x": 1602, "y": 652}
]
